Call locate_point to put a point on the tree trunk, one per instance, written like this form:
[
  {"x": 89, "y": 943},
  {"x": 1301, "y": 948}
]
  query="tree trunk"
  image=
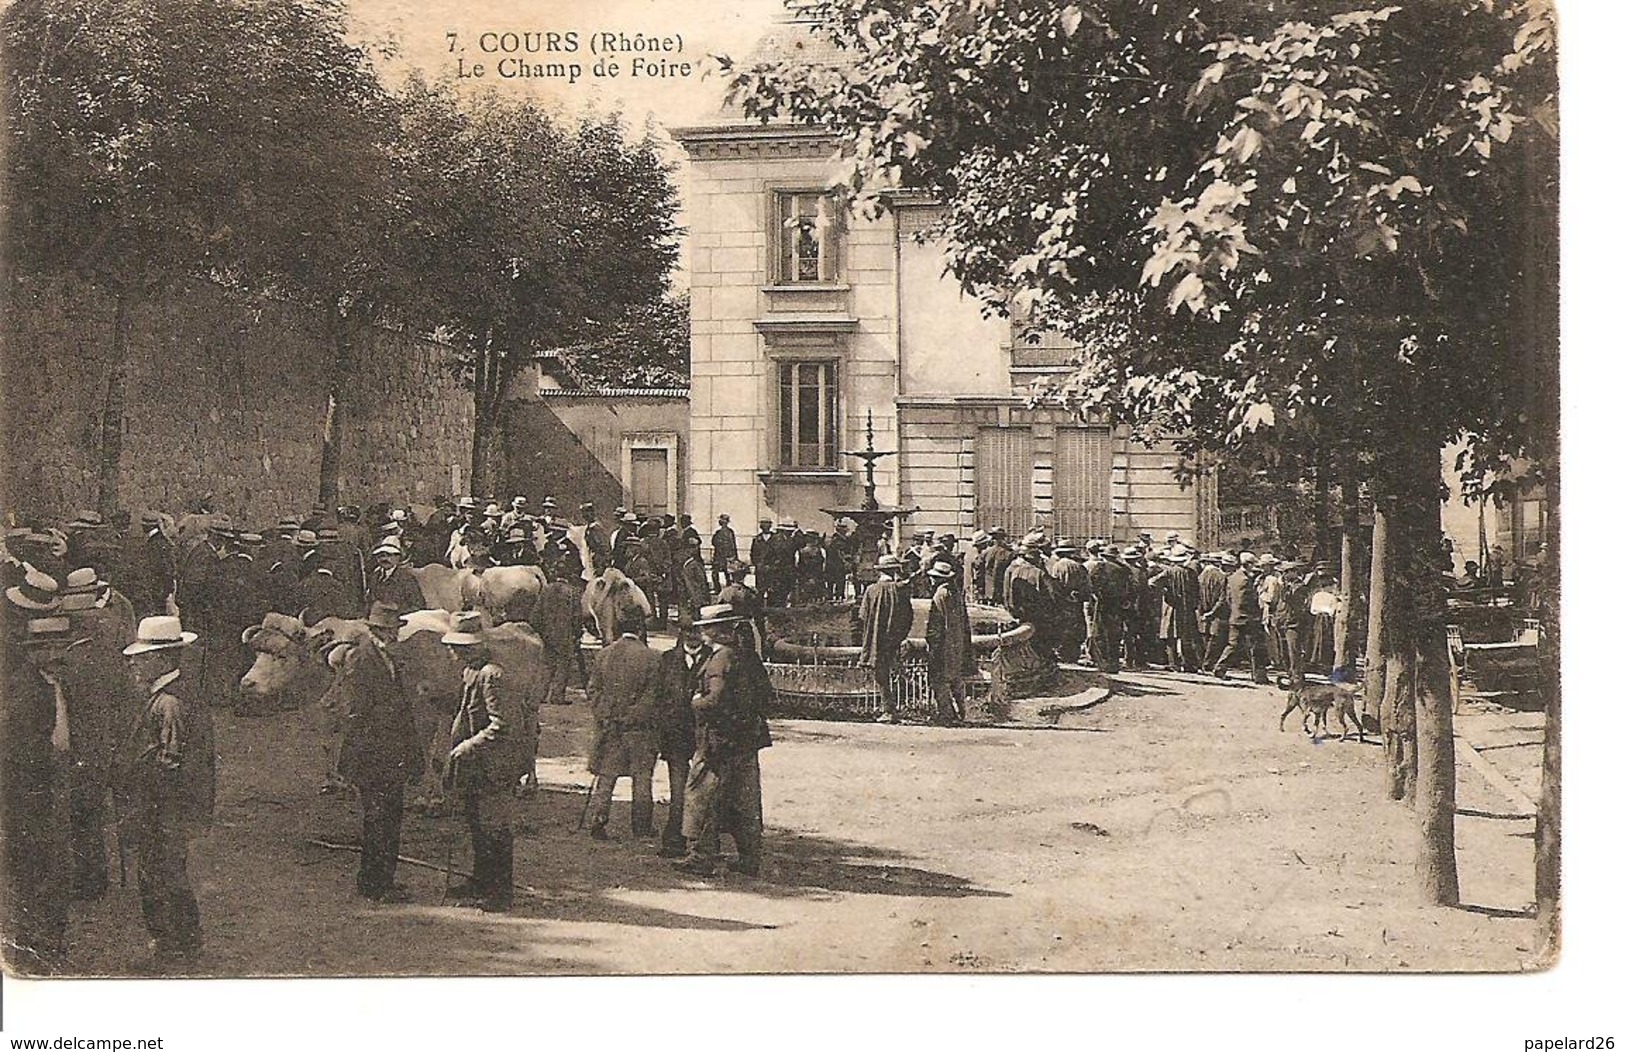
[
  {"x": 112, "y": 444},
  {"x": 1421, "y": 632},
  {"x": 1372, "y": 700},
  {"x": 338, "y": 328},
  {"x": 1348, "y": 612},
  {"x": 490, "y": 385},
  {"x": 1549, "y": 810},
  {"x": 1398, "y": 717},
  {"x": 1435, "y": 772}
]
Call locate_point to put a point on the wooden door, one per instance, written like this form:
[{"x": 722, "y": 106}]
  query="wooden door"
[
  {"x": 1083, "y": 482},
  {"x": 1004, "y": 479},
  {"x": 649, "y": 477}
]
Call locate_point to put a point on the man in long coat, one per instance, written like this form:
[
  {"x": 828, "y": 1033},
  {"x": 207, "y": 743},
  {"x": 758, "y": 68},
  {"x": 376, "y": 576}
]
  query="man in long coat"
[
  {"x": 378, "y": 751},
  {"x": 995, "y": 566},
  {"x": 677, "y": 677},
  {"x": 33, "y": 778},
  {"x": 101, "y": 705},
  {"x": 1212, "y": 609},
  {"x": 724, "y": 550},
  {"x": 1246, "y": 623},
  {"x": 885, "y": 618},
  {"x": 624, "y": 695},
  {"x": 1180, "y": 594},
  {"x": 556, "y": 617},
  {"x": 948, "y": 643},
  {"x": 761, "y": 559},
  {"x": 724, "y": 791},
  {"x": 1072, "y": 595},
  {"x": 1111, "y": 583}
]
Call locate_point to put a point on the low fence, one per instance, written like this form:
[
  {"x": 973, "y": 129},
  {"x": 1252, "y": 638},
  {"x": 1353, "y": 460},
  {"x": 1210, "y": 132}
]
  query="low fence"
[{"x": 845, "y": 692}]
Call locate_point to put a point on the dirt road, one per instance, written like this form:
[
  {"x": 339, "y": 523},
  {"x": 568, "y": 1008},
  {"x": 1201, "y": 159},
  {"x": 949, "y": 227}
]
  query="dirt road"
[{"x": 1174, "y": 828}]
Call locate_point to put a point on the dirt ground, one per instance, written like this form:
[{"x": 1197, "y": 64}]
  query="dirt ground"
[{"x": 1169, "y": 827}]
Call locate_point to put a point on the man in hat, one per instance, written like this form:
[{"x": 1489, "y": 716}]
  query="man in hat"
[
  {"x": 840, "y": 558},
  {"x": 1290, "y": 617},
  {"x": 948, "y": 643},
  {"x": 378, "y": 750},
  {"x": 320, "y": 593},
  {"x": 1269, "y": 596},
  {"x": 624, "y": 695},
  {"x": 518, "y": 512},
  {"x": 781, "y": 559},
  {"x": 1072, "y": 598},
  {"x": 392, "y": 582},
  {"x": 677, "y": 679},
  {"x": 693, "y": 579},
  {"x": 556, "y": 618},
  {"x": 1246, "y": 619},
  {"x": 463, "y": 532},
  {"x": 101, "y": 703},
  {"x": 620, "y": 540},
  {"x": 1030, "y": 593},
  {"x": 1213, "y": 594},
  {"x": 760, "y": 557},
  {"x": 205, "y": 592},
  {"x": 164, "y": 787},
  {"x": 34, "y": 777},
  {"x": 548, "y": 514},
  {"x": 724, "y": 790},
  {"x": 916, "y": 559},
  {"x": 1138, "y": 634},
  {"x": 748, "y": 603},
  {"x": 724, "y": 550},
  {"x": 1110, "y": 580},
  {"x": 487, "y": 759},
  {"x": 885, "y": 617},
  {"x": 808, "y": 569},
  {"x": 1176, "y": 583},
  {"x": 665, "y": 562},
  {"x": 995, "y": 566},
  {"x": 594, "y": 537},
  {"x": 976, "y": 569}
]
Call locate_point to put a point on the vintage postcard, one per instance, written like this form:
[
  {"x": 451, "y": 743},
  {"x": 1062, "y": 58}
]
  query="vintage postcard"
[{"x": 836, "y": 486}]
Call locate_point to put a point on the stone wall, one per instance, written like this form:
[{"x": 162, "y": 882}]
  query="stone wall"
[{"x": 224, "y": 395}]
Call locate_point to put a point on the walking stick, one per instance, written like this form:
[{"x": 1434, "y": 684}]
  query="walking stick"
[
  {"x": 586, "y": 805},
  {"x": 451, "y": 841}
]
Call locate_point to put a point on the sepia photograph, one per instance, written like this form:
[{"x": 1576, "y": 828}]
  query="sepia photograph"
[{"x": 949, "y": 487}]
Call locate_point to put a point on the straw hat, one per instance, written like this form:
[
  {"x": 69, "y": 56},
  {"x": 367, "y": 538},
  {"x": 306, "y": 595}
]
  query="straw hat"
[
  {"x": 888, "y": 562},
  {"x": 942, "y": 569},
  {"x": 159, "y": 633},
  {"x": 389, "y": 546},
  {"x": 718, "y": 614},
  {"x": 36, "y": 591},
  {"x": 467, "y": 630}
]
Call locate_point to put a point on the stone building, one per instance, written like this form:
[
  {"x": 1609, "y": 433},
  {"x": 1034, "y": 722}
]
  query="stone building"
[{"x": 807, "y": 320}]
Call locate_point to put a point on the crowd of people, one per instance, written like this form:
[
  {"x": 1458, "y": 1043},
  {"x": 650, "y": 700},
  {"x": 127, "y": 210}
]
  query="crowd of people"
[
  {"x": 109, "y": 700},
  {"x": 122, "y": 636},
  {"x": 1112, "y": 606}
]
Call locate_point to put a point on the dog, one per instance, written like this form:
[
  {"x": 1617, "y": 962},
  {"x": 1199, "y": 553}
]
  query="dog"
[{"x": 1316, "y": 699}]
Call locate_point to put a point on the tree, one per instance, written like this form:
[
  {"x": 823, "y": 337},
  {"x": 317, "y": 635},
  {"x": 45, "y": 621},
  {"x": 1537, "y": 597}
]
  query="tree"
[
  {"x": 527, "y": 233},
  {"x": 646, "y": 347},
  {"x": 152, "y": 144},
  {"x": 1266, "y": 230}
]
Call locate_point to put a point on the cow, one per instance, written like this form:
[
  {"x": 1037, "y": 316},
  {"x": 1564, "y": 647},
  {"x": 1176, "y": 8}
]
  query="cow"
[
  {"x": 435, "y": 677},
  {"x": 606, "y": 600},
  {"x": 504, "y": 593}
]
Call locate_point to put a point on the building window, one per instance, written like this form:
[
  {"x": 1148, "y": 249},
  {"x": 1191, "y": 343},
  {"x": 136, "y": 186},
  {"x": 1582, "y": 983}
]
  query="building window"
[
  {"x": 808, "y": 243},
  {"x": 807, "y": 392}
]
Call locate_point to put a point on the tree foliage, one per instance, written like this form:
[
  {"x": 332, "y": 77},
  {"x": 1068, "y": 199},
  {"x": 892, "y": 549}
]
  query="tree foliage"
[
  {"x": 1269, "y": 225},
  {"x": 194, "y": 137}
]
